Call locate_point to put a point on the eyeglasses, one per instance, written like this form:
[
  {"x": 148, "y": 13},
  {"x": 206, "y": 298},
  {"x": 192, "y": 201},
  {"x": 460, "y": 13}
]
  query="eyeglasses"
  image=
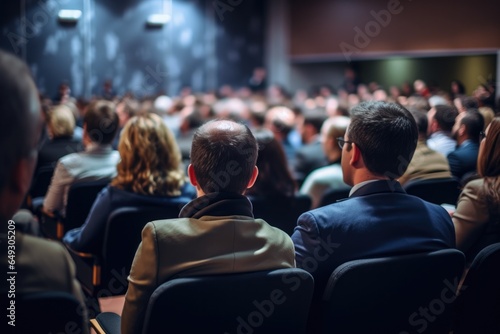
[
  {"x": 482, "y": 135},
  {"x": 342, "y": 141}
]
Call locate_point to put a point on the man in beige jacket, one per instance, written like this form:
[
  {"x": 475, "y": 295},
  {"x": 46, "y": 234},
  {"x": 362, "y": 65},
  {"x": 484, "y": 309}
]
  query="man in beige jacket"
[{"x": 216, "y": 233}]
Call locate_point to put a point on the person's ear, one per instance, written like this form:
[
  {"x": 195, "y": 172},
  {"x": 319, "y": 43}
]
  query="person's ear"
[
  {"x": 192, "y": 176},
  {"x": 355, "y": 155},
  {"x": 462, "y": 130},
  {"x": 255, "y": 173}
]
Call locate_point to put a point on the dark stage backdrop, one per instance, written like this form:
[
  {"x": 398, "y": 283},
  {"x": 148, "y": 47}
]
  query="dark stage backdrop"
[{"x": 202, "y": 47}]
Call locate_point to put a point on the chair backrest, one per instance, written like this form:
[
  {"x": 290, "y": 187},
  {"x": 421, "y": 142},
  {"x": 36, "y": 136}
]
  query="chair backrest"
[
  {"x": 81, "y": 197},
  {"x": 123, "y": 236},
  {"x": 274, "y": 301},
  {"x": 48, "y": 312},
  {"x": 437, "y": 191},
  {"x": 333, "y": 195},
  {"x": 281, "y": 212},
  {"x": 41, "y": 181},
  {"x": 478, "y": 305},
  {"x": 400, "y": 294}
]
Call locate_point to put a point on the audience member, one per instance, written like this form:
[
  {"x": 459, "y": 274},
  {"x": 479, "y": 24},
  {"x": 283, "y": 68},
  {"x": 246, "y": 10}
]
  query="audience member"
[
  {"x": 329, "y": 177},
  {"x": 477, "y": 217},
  {"x": 274, "y": 177},
  {"x": 41, "y": 265},
  {"x": 281, "y": 121},
  {"x": 125, "y": 109},
  {"x": 149, "y": 174},
  {"x": 60, "y": 127},
  {"x": 466, "y": 131},
  {"x": 98, "y": 161},
  {"x": 426, "y": 163},
  {"x": 441, "y": 120},
  {"x": 216, "y": 233},
  {"x": 379, "y": 218},
  {"x": 310, "y": 155}
]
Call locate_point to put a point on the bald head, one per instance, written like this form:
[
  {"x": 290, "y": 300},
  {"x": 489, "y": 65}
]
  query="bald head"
[
  {"x": 223, "y": 156},
  {"x": 20, "y": 121}
]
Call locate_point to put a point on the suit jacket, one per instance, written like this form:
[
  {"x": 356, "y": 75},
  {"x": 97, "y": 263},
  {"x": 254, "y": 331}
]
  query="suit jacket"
[
  {"x": 55, "y": 149},
  {"x": 42, "y": 265},
  {"x": 426, "y": 164},
  {"x": 378, "y": 219},
  {"x": 308, "y": 158},
  {"x": 215, "y": 234},
  {"x": 96, "y": 162},
  {"x": 475, "y": 228},
  {"x": 464, "y": 159}
]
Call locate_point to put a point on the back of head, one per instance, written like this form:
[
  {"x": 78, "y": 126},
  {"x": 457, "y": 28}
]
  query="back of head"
[
  {"x": 445, "y": 116},
  {"x": 150, "y": 159},
  {"x": 474, "y": 124},
  {"x": 274, "y": 176},
  {"x": 421, "y": 120},
  {"x": 101, "y": 122},
  {"x": 315, "y": 119},
  {"x": 61, "y": 121},
  {"x": 20, "y": 128},
  {"x": 223, "y": 156},
  {"x": 386, "y": 135},
  {"x": 19, "y": 115},
  {"x": 488, "y": 163},
  {"x": 333, "y": 128},
  {"x": 469, "y": 102}
]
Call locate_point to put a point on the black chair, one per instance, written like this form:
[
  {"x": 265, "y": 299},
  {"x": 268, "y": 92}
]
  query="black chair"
[
  {"x": 333, "y": 195},
  {"x": 107, "y": 273},
  {"x": 48, "y": 312},
  {"x": 400, "y": 294},
  {"x": 478, "y": 305},
  {"x": 281, "y": 212},
  {"x": 41, "y": 181},
  {"x": 274, "y": 301},
  {"x": 81, "y": 197},
  {"x": 437, "y": 191}
]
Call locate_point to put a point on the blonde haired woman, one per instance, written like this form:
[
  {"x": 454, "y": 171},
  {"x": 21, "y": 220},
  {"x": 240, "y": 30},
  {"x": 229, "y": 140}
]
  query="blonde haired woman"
[{"x": 149, "y": 173}]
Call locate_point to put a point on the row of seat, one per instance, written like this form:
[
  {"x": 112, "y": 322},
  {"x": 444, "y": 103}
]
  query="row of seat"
[{"x": 402, "y": 294}]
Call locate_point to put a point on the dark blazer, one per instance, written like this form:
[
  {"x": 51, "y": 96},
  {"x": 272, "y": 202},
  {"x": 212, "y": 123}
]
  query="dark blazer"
[
  {"x": 308, "y": 158},
  {"x": 56, "y": 149},
  {"x": 379, "y": 219},
  {"x": 464, "y": 159}
]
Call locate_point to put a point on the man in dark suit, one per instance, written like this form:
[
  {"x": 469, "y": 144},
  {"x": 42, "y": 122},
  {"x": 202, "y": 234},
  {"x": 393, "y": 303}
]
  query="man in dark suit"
[
  {"x": 463, "y": 159},
  {"x": 379, "y": 218}
]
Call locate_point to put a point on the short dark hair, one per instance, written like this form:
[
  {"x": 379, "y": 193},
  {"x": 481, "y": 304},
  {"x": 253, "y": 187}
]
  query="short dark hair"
[
  {"x": 386, "y": 135},
  {"x": 223, "y": 156},
  {"x": 421, "y": 120},
  {"x": 469, "y": 102},
  {"x": 316, "y": 119},
  {"x": 101, "y": 121},
  {"x": 19, "y": 114},
  {"x": 445, "y": 116},
  {"x": 474, "y": 124}
]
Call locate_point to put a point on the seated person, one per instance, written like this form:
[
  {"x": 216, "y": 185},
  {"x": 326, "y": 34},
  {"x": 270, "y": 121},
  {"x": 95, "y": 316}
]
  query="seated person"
[
  {"x": 216, "y": 233},
  {"x": 477, "y": 217},
  {"x": 60, "y": 128},
  {"x": 378, "y": 219},
  {"x": 149, "y": 174},
  {"x": 426, "y": 163},
  {"x": 98, "y": 161},
  {"x": 441, "y": 119},
  {"x": 463, "y": 159},
  {"x": 329, "y": 177},
  {"x": 274, "y": 177},
  {"x": 41, "y": 265}
]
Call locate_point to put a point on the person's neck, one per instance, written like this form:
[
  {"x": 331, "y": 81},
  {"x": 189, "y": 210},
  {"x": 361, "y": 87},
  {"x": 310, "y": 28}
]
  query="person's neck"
[
  {"x": 365, "y": 175},
  {"x": 461, "y": 140}
]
